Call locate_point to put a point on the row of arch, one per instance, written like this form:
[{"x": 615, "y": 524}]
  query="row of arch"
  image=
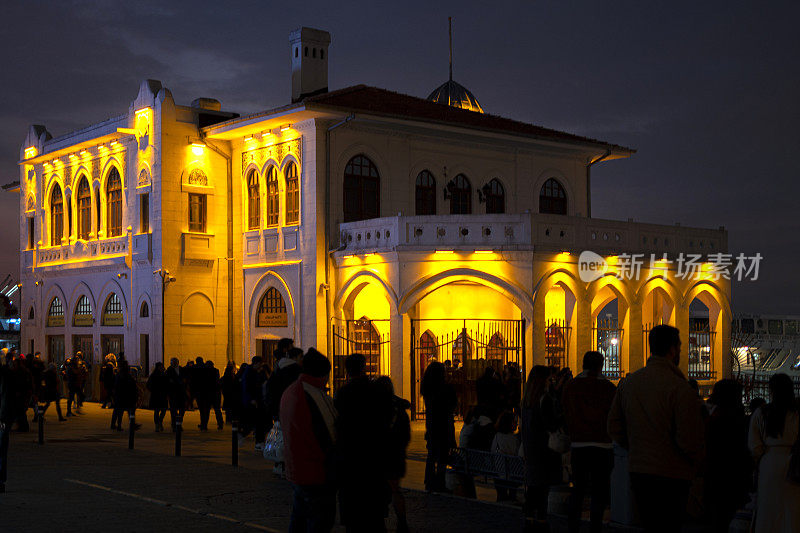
[
  {"x": 83, "y": 314},
  {"x": 267, "y": 186},
  {"x": 62, "y": 203},
  {"x": 361, "y": 193}
]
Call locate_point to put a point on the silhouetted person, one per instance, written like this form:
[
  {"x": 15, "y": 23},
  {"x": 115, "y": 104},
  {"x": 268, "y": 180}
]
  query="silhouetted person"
[
  {"x": 542, "y": 465},
  {"x": 587, "y": 401},
  {"x": 107, "y": 376},
  {"x": 490, "y": 391},
  {"x": 657, "y": 417},
  {"x": 729, "y": 468},
  {"x": 281, "y": 351},
  {"x": 512, "y": 382},
  {"x": 8, "y": 412},
  {"x": 230, "y": 394},
  {"x": 362, "y": 439},
  {"x": 176, "y": 390},
  {"x": 51, "y": 390},
  {"x": 202, "y": 390},
  {"x": 399, "y": 437},
  {"x": 214, "y": 384},
  {"x": 287, "y": 370},
  {"x": 72, "y": 375},
  {"x": 23, "y": 388},
  {"x": 440, "y": 405},
  {"x": 158, "y": 385},
  {"x": 506, "y": 442},
  {"x": 308, "y": 419},
  {"x": 253, "y": 412},
  {"x": 125, "y": 396},
  {"x": 773, "y": 434}
]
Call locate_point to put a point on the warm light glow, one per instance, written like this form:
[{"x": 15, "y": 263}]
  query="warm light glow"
[
  {"x": 564, "y": 252},
  {"x": 113, "y": 143},
  {"x": 348, "y": 256},
  {"x": 84, "y": 153},
  {"x": 445, "y": 252},
  {"x": 614, "y": 341},
  {"x": 265, "y": 134},
  {"x": 198, "y": 148},
  {"x": 142, "y": 111},
  {"x": 369, "y": 254},
  {"x": 73, "y": 156},
  {"x": 484, "y": 252},
  {"x": 285, "y": 127},
  {"x": 30, "y": 152},
  {"x": 248, "y": 138}
]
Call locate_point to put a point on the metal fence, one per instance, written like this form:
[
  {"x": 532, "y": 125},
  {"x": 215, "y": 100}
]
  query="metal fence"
[
  {"x": 607, "y": 335},
  {"x": 359, "y": 336},
  {"x": 556, "y": 343}
]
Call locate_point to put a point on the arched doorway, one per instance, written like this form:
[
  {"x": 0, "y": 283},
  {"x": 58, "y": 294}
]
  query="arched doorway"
[{"x": 609, "y": 318}]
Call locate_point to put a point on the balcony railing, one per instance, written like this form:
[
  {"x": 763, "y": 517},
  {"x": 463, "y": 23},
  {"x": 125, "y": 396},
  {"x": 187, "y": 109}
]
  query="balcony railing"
[
  {"x": 83, "y": 250},
  {"x": 528, "y": 231}
]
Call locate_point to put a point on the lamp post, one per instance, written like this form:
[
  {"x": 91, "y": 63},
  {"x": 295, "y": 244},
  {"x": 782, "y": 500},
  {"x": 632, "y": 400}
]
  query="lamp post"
[{"x": 165, "y": 280}]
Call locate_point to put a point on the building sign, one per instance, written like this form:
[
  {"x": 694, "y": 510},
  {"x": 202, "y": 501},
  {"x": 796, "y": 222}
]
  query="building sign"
[
  {"x": 273, "y": 320},
  {"x": 113, "y": 319},
  {"x": 56, "y": 321},
  {"x": 81, "y": 321}
]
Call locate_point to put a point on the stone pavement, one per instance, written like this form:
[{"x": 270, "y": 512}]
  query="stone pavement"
[{"x": 84, "y": 478}]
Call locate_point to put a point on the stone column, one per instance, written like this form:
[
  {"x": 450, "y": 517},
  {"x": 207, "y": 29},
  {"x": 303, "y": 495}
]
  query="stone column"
[
  {"x": 635, "y": 345},
  {"x": 682, "y": 323},
  {"x": 399, "y": 347},
  {"x": 583, "y": 323}
]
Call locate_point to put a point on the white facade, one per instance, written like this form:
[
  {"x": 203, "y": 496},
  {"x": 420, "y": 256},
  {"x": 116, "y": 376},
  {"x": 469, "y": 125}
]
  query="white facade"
[{"x": 494, "y": 252}]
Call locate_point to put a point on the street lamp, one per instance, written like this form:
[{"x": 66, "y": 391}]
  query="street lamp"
[{"x": 166, "y": 279}]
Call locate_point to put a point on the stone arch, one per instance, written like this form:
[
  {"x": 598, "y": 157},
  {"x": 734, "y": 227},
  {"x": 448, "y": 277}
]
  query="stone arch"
[
  {"x": 53, "y": 291},
  {"x": 267, "y": 280},
  {"x": 197, "y": 309},
  {"x": 109, "y": 287},
  {"x": 356, "y": 284},
  {"x": 712, "y": 291},
  {"x": 562, "y": 179},
  {"x": 82, "y": 289},
  {"x": 112, "y": 161},
  {"x": 516, "y": 294},
  {"x": 144, "y": 299}
]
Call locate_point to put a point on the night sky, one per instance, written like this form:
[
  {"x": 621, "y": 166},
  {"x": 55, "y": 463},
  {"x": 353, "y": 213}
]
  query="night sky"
[{"x": 707, "y": 92}]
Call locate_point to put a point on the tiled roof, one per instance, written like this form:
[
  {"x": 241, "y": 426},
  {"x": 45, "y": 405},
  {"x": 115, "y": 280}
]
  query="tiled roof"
[{"x": 383, "y": 102}]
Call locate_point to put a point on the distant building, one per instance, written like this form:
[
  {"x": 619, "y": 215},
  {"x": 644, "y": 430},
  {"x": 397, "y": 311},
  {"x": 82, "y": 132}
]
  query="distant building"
[{"x": 353, "y": 220}]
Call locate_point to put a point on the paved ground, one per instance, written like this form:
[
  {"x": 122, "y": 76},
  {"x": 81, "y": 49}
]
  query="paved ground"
[{"x": 84, "y": 478}]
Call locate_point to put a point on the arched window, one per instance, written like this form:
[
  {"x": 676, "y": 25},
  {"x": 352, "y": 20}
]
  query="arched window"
[
  {"x": 460, "y": 196},
  {"x": 292, "y": 194},
  {"x": 428, "y": 351},
  {"x": 553, "y": 198},
  {"x": 462, "y": 347},
  {"x": 253, "y": 201},
  {"x": 273, "y": 197},
  {"x": 366, "y": 339},
  {"x": 83, "y": 313},
  {"x": 272, "y": 310},
  {"x": 56, "y": 216},
  {"x": 495, "y": 347},
  {"x": 114, "y": 201},
  {"x": 425, "y": 193},
  {"x": 495, "y": 197},
  {"x": 55, "y": 314},
  {"x": 361, "y": 190},
  {"x": 84, "y": 200},
  {"x": 144, "y": 312},
  {"x": 112, "y": 312},
  {"x": 30, "y": 314}
]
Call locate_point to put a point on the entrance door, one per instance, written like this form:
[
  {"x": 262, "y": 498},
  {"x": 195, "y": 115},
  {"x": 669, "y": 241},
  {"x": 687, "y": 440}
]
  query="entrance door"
[
  {"x": 265, "y": 348},
  {"x": 112, "y": 344},
  {"x": 85, "y": 345},
  {"x": 144, "y": 353},
  {"x": 55, "y": 349}
]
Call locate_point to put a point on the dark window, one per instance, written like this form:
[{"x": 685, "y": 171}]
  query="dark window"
[
  {"x": 30, "y": 314},
  {"x": 145, "y": 311},
  {"x": 460, "y": 196},
  {"x": 361, "y": 190},
  {"x": 272, "y": 310},
  {"x": 495, "y": 197},
  {"x": 306, "y": 51},
  {"x": 84, "y": 209},
  {"x": 254, "y": 201},
  {"x": 144, "y": 213},
  {"x": 114, "y": 199},
  {"x": 56, "y": 216},
  {"x": 775, "y": 327},
  {"x": 321, "y": 53},
  {"x": 425, "y": 193},
  {"x": 273, "y": 197},
  {"x": 56, "y": 309},
  {"x": 197, "y": 212},
  {"x": 31, "y": 233},
  {"x": 295, "y": 51},
  {"x": 98, "y": 210},
  {"x": 292, "y": 194},
  {"x": 553, "y": 198},
  {"x": 748, "y": 326}
]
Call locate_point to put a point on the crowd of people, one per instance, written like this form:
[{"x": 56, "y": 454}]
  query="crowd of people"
[{"x": 684, "y": 456}]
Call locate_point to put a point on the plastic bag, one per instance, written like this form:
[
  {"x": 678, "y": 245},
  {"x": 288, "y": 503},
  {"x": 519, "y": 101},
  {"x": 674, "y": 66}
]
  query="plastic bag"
[{"x": 273, "y": 447}]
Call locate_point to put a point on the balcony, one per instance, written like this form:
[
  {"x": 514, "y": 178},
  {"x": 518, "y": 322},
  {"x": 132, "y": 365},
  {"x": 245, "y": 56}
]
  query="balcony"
[
  {"x": 106, "y": 249},
  {"x": 526, "y": 232}
]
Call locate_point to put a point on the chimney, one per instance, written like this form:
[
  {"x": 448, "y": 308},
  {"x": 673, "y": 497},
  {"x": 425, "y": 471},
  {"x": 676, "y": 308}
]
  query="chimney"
[{"x": 309, "y": 49}]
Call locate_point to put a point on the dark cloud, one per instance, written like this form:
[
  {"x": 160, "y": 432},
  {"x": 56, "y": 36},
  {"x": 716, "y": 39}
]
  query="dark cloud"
[{"x": 706, "y": 91}]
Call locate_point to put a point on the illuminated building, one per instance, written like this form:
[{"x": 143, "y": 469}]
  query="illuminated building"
[{"x": 356, "y": 219}]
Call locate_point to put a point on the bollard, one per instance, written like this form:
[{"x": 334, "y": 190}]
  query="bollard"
[
  {"x": 40, "y": 418},
  {"x": 234, "y": 445},
  {"x": 131, "y": 429},
  {"x": 178, "y": 430}
]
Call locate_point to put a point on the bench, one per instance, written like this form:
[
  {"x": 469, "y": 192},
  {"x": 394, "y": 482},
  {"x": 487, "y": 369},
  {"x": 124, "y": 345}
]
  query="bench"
[{"x": 507, "y": 469}]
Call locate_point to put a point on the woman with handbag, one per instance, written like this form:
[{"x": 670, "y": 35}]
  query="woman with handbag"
[{"x": 774, "y": 431}]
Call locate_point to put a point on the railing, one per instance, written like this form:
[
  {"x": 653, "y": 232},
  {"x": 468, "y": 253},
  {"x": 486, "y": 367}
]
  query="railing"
[
  {"x": 607, "y": 337},
  {"x": 83, "y": 250},
  {"x": 523, "y": 231}
]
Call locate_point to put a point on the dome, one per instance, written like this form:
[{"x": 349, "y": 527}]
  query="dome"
[{"x": 456, "y": 95}]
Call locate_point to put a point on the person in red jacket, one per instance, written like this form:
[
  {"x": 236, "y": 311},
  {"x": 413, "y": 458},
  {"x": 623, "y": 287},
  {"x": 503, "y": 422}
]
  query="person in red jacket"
[
  {"x": 308, "y": 420},
  {"x": 587, "y": 401}
]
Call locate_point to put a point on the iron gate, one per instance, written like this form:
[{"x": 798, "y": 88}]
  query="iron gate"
[
  {"x": 466, "y": 347},
  {"x": 607, "y": 339},
  {"x": 359, "y": 336}
]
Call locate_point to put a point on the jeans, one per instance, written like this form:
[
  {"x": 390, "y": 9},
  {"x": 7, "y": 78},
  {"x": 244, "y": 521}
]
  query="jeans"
[
  {"x": 661, "y": 501},
  {"x": 314, "y": 509},
  {"x": 4, "y": 434},
  {"x": 116, "y": 416},
  {"x": 591, "y": 473}
]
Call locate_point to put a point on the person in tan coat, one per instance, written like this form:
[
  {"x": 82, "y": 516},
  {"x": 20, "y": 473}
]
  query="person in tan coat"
[{"x": 655, "y": 415}]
